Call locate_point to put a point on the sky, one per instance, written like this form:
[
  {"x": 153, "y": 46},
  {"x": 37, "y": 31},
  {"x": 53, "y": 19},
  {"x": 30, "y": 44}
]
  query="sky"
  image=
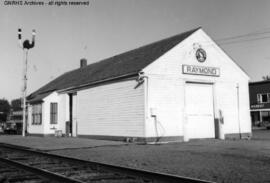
[{"x": 104, "y": 28}]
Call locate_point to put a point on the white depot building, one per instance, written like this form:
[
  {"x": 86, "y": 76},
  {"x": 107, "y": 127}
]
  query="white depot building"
[{"x": 180, "y": 88}]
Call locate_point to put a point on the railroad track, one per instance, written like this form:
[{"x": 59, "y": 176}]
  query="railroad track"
[
  {"x": 9, "y": 173},
  {"x": 55, "y": 168}
]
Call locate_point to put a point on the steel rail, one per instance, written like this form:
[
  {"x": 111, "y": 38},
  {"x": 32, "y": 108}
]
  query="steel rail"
[
  {"x": 39, "y": 172},
  {"x": 155, "y": 177}
]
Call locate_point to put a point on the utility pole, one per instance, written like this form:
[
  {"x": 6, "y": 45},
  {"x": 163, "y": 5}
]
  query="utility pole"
[{"x": 26, "y": 45}]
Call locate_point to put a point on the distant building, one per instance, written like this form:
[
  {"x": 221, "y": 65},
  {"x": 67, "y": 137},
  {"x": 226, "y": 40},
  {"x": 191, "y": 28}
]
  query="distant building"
[
  {"x": 16, "y": 114},
  {"x": 180, "y": 88},
  {"x": 259, "y": 102}
]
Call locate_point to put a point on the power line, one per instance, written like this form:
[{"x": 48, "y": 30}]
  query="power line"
[
  {"x": 243, "y": 36},
  {"x": 253, "y": 36},
  {"x": 240, "y": 41}
]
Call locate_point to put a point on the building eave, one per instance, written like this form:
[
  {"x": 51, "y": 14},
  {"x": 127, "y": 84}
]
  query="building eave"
[{"x": 80, "y": 87}]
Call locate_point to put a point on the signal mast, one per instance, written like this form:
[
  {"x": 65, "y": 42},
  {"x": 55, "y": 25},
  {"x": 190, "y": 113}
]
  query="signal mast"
[{"x": 25, "y": 45}]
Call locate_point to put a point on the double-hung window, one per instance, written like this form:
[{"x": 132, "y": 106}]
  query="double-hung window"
[
  {"x": 263, "y": 98},
  {"x": 53, "y": 113},
  {"x": 37, "y": 114}
]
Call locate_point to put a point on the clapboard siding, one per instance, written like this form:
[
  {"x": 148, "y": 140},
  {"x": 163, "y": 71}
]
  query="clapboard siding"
[
  {"x": 245, "y": 118},
  {"x": 226, "y": 101},
  {"x": 115, "y": 109},
  {"x": 165, "y": 97}
]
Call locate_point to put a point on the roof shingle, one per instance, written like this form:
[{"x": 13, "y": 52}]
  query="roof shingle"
[{"x": 128, "y": 63}]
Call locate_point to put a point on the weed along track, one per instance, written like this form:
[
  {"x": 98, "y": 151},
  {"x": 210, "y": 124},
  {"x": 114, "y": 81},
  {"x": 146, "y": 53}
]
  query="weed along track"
[{"x": 44, "y": 166}]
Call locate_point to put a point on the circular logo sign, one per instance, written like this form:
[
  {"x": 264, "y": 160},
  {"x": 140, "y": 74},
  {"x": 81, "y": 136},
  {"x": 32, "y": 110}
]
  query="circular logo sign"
[{"x": 200, "y": 55}]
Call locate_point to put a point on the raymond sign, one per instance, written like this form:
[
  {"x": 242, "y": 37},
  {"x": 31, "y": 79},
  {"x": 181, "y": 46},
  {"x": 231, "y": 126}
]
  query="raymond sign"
[{"x": 200, "y": 70}]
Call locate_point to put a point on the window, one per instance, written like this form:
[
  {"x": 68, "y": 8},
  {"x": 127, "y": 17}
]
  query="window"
[
  {"x": 37, "y": 114},
  {"x": 53, "y": 113},
  {"x": 265, "y": 115},
  {"x": 263, "y": 98}
]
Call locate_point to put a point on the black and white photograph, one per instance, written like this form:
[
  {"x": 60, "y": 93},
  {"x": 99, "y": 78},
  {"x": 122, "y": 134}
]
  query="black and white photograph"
[{"x": 134, "y": 91}]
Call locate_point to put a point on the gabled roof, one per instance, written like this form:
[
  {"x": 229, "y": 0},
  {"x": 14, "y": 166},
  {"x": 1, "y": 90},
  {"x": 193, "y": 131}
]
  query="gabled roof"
[
  {"x": 125, "y": 64},
  {"x": 38, "y": 98}
]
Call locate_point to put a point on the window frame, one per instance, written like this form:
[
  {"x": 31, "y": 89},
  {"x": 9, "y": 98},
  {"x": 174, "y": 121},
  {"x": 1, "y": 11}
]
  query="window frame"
[
  {"x": 53, "y": 113},
  {"x": 37, "y": 114},
  {"x": 260, "y": 98}
]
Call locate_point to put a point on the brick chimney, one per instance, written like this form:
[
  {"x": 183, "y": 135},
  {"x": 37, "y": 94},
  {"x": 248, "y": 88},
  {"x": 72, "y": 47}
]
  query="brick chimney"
[{"x": 83, "y": 62}]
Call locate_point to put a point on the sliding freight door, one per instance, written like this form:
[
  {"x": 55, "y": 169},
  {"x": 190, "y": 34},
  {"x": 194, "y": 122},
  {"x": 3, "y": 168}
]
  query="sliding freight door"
[{"x": 199, "y": 110}]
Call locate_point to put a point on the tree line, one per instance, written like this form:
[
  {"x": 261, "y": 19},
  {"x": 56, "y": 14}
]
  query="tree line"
[{"x": 6, "y": 107}]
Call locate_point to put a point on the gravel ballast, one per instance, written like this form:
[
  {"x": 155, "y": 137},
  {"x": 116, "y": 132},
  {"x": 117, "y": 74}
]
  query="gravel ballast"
[{"x": 215, "y": 160}]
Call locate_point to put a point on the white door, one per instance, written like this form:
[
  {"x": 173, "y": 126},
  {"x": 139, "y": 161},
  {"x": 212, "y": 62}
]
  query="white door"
[{"x": 199, "y": 111}]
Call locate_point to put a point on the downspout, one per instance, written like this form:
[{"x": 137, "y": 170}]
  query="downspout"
[
  {"x": 238, "y": 111},
  {"x": 70, "y": 113},
  {"x": 185, "y": 118},
  {"x": 143, "y": 78}
]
